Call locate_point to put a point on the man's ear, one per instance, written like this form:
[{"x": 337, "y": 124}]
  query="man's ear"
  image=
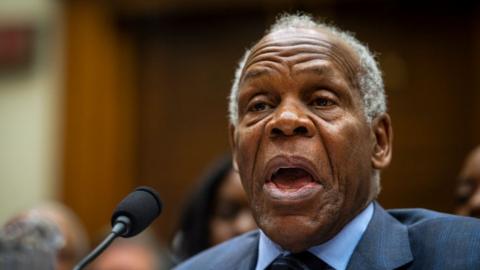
[
  {"x": 233, "y": 143},
  {"x": 383, "y": 139}
]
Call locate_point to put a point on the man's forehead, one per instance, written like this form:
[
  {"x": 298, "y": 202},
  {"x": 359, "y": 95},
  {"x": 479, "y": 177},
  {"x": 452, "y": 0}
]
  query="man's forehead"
[
  {"x": 321, "y": 39},
  {"x": 298, "y": 36}
]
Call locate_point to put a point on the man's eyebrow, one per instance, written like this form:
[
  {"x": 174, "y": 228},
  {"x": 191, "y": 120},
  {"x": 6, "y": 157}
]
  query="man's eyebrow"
[{"x": 255, "y": 73}]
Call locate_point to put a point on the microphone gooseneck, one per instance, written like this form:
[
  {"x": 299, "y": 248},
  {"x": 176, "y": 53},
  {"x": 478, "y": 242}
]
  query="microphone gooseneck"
[{"x": 132, "y": 215}]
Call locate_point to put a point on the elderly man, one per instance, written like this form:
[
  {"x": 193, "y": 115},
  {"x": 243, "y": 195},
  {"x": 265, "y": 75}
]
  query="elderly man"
[{"x": 310, "y": 134}]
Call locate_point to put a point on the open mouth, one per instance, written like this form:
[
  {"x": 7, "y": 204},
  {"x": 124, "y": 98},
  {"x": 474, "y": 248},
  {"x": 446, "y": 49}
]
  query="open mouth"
[{"x": 291, "y": 179}]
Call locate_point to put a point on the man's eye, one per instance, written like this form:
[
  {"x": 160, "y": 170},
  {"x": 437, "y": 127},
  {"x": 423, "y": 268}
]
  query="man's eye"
[
  {"x": 259, "y": 106},
  {"x": 322, "y": 102}
]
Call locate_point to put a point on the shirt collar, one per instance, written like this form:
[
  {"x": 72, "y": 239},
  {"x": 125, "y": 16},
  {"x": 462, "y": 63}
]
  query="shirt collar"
[{"x": 336, "y": 252}]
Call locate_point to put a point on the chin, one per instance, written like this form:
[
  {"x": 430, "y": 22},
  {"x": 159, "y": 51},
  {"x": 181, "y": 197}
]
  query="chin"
[{"x": 293, "y": 233}]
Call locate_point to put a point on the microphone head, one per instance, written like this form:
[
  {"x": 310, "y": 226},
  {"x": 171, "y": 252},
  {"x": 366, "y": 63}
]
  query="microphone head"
[{"x": 141, "y": 206}]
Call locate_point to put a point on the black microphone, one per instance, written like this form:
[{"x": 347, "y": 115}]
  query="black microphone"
[{"x": 132, "y": 215}]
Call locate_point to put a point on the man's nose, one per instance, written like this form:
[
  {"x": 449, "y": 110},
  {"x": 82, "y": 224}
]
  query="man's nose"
[{"x": 290, "y": 119}]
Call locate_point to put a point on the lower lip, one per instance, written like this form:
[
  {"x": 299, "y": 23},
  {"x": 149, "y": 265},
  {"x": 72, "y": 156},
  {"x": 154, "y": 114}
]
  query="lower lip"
[{"x": 292, "y": 195}]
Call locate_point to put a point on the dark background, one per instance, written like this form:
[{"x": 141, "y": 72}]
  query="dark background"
[{"x": 147, "y": 83}]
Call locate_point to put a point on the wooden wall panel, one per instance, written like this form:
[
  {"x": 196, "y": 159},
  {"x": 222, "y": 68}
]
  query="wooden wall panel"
[
  {"x": 187, "y": 66},
  {"x": 99, "y": 153},
  {"x": 476, "y": 49}
]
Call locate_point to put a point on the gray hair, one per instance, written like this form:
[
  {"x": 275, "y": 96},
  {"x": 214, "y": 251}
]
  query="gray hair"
[
  {"x": 369, "y": 77},
  {"x": 29, "y": 242}
]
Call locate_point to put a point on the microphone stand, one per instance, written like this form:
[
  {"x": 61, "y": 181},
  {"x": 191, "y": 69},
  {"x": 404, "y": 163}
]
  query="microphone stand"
[{"x": 121, "y": 226}]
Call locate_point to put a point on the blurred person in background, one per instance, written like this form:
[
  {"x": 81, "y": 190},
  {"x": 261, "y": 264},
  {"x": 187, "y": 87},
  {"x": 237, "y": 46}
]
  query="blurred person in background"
[
  {"x": 75, "y": 242},
  {"x": 217, "y": 211},
  {"x": 141, "y": 252},
  {"x": 30, "y": 241},
  {"x": 468, "y": 189}
]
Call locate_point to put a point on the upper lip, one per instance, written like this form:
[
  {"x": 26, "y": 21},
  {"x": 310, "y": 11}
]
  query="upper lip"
[{"x": 284, "y": 162}]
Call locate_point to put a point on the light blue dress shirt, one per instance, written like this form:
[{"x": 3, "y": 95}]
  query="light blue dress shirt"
[{"x": 336, "y": 252}]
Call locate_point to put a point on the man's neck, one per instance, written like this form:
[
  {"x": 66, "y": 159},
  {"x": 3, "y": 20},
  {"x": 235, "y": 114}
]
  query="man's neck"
[{"x": 336, "y": 251}]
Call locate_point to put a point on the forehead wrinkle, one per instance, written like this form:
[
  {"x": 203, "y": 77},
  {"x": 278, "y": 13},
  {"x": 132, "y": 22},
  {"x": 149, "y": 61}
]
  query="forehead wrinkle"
[
  {"x": 267, "y": 68},
  {"x": 333, "y": 57},
  {"x": 277, "y": 46},
  {"x": 320, "y": 69},
  {"x": 255, "y": 73},
  {"x": 270, "y": 62},
  {"x": 278, "y": 42},
  {"x": 340, "y": 55},
  {"x": 299, "y": 35},
  {"x": 287, "y": 47},
  {"x": 268, "y": 57},
  {"x": 295, "y": 42},
  {"x": 275, "y": 56}
]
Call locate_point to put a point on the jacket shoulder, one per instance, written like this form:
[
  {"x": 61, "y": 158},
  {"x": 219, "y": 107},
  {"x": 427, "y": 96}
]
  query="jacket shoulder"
[
  {"x": 241, "y": 250},
  {"x": 418, "y": 219},
  {"x": 441, "y": 239}
]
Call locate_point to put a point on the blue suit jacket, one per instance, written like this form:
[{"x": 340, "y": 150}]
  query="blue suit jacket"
[{"x": 394, "y": 239}]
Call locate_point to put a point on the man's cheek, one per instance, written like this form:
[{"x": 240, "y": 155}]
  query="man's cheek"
[
  {"x": 247, "y": 145},
  {"x": 247, "y": 151}
]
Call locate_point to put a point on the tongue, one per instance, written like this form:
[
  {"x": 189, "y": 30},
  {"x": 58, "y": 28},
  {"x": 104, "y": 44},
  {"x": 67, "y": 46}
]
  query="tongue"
[{"x": 291, "y": 178}]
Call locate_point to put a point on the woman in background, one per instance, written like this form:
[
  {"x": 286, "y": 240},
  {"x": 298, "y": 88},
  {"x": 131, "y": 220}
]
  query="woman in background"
[{"x": 217, "y": 211}]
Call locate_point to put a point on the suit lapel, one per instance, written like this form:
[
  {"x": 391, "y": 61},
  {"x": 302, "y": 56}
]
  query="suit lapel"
[
  {"x": 246, "y": 255},
  {"x": 249, "y": 261},
  {"x": 384, "y": 245}
]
